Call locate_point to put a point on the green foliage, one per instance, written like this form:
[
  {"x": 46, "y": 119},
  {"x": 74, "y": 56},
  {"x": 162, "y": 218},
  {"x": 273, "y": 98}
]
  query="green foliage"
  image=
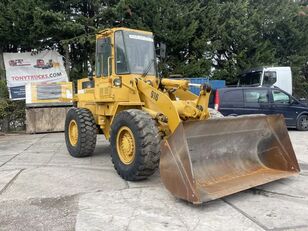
[
  {"x": 216, "y": 38},
  {"x": 3, "y": 108},
  {"x": 174, "y": 23},
  {"x": 4, "y": 94},
  {"x": 12, "y": 113}
]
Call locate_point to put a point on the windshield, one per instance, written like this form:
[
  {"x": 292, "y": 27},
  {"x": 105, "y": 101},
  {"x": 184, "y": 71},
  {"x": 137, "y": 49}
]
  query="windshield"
[
  {"x": 134, "y": 53},
  {"x": 251, "y": 78}
]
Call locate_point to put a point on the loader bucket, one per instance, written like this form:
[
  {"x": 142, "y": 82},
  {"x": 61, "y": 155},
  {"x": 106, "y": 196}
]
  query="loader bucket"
[{"x": 206, "y": 160}]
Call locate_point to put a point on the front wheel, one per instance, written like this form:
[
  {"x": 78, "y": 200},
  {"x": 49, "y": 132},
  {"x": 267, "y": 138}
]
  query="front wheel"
[
  {"x": 135, "y": 145},
  {"x": 302, "y": 123},
  {"x": 80, "y": 132}
]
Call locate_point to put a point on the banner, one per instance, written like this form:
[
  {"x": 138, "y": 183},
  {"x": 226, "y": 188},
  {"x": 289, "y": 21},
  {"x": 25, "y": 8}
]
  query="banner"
[{"x": 23, "y": 68}]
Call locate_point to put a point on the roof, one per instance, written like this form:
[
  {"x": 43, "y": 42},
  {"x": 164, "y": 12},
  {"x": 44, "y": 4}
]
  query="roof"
[
  {"x": 108, "y": 30},
  {"x": 258, "y": 69}
]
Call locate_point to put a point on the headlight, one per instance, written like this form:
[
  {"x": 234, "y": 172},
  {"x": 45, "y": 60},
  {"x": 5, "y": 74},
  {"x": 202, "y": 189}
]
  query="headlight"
[{"x": 117, "y": 82}]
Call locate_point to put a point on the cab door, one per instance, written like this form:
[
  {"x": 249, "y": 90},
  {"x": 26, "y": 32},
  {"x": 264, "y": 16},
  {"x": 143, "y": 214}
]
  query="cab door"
[
  {"x": 103, "y": 69},
  {"x": 103, "y": 57}
]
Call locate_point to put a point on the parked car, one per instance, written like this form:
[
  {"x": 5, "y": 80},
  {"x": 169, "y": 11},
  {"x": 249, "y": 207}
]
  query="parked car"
[{"x": 261, "y": 100}]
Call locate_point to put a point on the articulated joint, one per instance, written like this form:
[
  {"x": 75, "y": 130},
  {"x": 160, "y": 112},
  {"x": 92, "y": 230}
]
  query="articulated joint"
[{"x": 156, "y": 115}]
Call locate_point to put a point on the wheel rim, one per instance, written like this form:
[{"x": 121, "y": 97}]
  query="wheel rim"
[
  {"x": 304, "y": 122},
  {"x": 73, "y": 133},
  {"x": 126, "y": 145}
]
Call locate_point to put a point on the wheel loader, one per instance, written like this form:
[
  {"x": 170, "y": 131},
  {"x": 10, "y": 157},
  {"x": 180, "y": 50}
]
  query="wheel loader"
[{"x": 156, "y": 122}]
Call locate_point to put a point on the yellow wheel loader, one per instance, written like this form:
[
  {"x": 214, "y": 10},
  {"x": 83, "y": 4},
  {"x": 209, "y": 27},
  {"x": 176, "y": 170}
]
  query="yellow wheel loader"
[{"x": 154, "y": 122}]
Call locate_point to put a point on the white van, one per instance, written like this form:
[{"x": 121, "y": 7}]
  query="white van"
[{"x": 268, "y": 76}]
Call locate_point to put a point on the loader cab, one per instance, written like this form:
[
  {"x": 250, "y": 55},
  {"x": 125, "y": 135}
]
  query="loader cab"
[
  {"x": 123, "y": 51},
  {"x": 122, "y": 55}
]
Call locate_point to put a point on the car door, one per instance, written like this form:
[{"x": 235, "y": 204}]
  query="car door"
[
  {"x": 256, "y": 101},
  {"x": 281, "y": 103}
]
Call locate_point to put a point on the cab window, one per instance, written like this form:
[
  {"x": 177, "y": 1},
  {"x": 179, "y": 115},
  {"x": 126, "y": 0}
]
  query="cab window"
[
  {"x": 251, "y": 78},
  {"x": 270, "y": 77},
  {"x": 280, "y": 97},
  {"x": 121, "y": 62},
  {"x": 103, "y": 51}
]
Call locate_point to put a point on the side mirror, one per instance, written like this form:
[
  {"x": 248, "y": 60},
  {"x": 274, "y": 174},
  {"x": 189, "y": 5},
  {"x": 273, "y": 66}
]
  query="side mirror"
[{"x": 162, "y": 50}]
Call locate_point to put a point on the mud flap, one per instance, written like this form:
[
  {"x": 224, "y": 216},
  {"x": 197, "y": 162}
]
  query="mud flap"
[{"x": 206, "y": 160}]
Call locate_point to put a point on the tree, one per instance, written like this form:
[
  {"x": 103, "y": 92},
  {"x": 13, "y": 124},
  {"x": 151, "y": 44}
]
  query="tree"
[
  {"x": 217, "y": 38},
  {"x": 230, "y": 39},
  {"x": 175, "y": 23}
]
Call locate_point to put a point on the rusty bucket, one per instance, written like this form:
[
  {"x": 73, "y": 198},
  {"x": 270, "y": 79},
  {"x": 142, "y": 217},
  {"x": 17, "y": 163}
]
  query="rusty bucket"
[{"x": 206, "y": 160}]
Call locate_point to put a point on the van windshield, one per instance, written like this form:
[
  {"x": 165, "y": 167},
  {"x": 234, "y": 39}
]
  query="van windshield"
[{"x": 250, "y": 79}]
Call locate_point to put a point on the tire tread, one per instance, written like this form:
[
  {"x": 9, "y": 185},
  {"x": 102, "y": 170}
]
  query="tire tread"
[
  {"x": 149, "y": 139},
  {"x": 88, "y": 130}
]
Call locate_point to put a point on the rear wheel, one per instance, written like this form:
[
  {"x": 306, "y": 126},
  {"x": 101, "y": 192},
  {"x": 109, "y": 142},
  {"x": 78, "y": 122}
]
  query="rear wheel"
[
  {"x": 302, "y": 123},
  {"x": 80, "y": 132},
  {"x": 135, "y": 145}
]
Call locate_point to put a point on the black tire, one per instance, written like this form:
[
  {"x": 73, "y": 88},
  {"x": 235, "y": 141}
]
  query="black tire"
[
  {"x": 147, "y": 144},
  {"x": 86, "y": 132},
  {"x": 302, "y": 123}
]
